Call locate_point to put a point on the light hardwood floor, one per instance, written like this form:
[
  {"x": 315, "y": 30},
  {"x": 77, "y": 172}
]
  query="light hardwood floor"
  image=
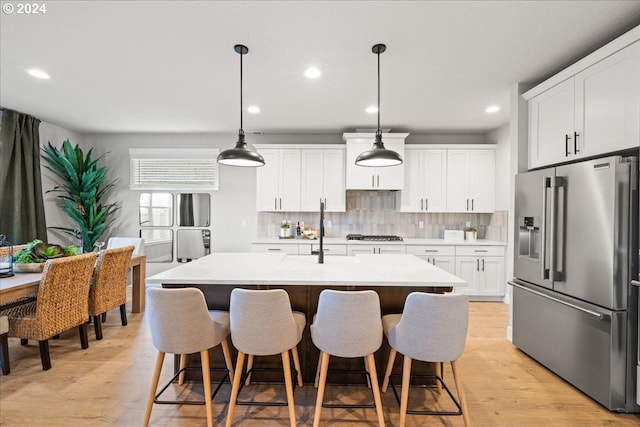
[{"x": 108, "y": 385}]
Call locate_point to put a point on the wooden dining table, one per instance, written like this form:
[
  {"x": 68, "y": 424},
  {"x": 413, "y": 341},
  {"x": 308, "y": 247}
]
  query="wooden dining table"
[{"x": 23, "y": 284}]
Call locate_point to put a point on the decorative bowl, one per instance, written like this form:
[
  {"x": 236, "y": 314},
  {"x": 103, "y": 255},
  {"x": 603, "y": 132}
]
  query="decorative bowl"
[{"x": 28, "y": 267}]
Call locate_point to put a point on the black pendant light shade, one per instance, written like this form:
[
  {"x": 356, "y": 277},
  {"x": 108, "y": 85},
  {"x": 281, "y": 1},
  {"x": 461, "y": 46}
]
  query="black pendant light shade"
[
  {"x": 241, "y": 154},
  {"x": 379, "y": 156}
]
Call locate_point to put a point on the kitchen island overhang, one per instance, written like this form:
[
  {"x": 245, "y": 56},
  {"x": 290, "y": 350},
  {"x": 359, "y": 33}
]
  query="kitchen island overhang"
[{"x": 392, "y": 276}]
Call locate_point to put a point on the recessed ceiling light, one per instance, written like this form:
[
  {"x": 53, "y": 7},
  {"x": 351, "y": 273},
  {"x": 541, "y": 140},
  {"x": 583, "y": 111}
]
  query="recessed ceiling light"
[
  {"x": 312, "y": 73},
  {"x": 492, "y": 109},
  {"x": 254, "y": 109},
  {"x": 372, "y": 109},
  {"x": 34, "y": 72}
]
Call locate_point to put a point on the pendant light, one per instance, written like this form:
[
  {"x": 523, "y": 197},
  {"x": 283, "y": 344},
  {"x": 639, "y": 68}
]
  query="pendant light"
[
  {"x": 378, "y": 155},
  {"x": 241, "y": 154}
]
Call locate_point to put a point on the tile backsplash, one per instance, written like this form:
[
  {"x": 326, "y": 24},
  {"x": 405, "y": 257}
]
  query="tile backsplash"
[{"x": 374, "y": 212}]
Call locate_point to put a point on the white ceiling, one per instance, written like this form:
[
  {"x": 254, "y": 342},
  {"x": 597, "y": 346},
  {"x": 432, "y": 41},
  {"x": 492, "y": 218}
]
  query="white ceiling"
[{"x": 169, "y": 66}]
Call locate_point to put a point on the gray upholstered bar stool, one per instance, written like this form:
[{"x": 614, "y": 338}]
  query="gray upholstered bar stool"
[
  {"x": 181, "y": 324},
  {"x": 432, "y": 328},
  {"x": 263, "y": 324},
  {"x": 347, "y": 324}
]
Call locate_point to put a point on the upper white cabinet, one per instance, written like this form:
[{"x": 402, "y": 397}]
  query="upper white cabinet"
[
  {"x": 367, "y": 178},
  {"x": 592, "y": 112},
  {"x": 471, "y": 180},
  {"x": 323, "y": 179},
  {"x": 278, "y": 181},
  {"x": 425, "y": 175}
]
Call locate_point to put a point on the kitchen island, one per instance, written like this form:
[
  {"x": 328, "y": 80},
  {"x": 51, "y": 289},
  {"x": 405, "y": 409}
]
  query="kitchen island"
[{"x": 393, "y": 277}]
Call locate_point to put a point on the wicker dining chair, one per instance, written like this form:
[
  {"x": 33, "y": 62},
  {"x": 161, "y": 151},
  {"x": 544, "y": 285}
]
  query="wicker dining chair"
[
  {"x": 62, "y": 304},
  {"x": 109, "y": 288},
  {"x": 4, "y": 252}
]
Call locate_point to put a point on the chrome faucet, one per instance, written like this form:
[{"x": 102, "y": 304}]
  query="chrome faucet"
[{"x": 320, "y": 252}]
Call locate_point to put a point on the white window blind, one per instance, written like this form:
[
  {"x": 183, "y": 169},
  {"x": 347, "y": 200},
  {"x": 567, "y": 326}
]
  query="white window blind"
[{"x": 174, "y": 169}]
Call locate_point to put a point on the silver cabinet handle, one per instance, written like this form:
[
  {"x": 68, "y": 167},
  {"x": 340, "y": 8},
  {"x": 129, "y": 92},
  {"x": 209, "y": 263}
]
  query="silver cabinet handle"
[
  {"x": 472, "y": 204},
  {"x": 421, "y": 204},
  {"x": 467, "y": 204},
  {"x": 483, "y": 264},
  {"x": 275, "y": 203},
  {"x": 378, "y": 181},
  {"x": 575, "y": 143},
  {"x": 280, "y": 203},
  {"x": 600, "y": 316},
  {"x": 373, "y": 181},
  {"x": 426, "y": 204},
  {"x": 274, "y": 249},
  {"x": 480, "y": 250},
  {"x": 432, "y": 250},
  {"x": 477, "y": 265}
]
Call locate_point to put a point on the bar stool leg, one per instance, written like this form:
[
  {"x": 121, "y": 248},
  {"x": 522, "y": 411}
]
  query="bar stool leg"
[
  {"x": 463, "y": 399},
  {"x": 387, "y": 374},
  {"x": 154, "y": 386},
  {"x": 286, "y": 365},
  {"x": 324, "y": 366},
  {"x": 439, "y": 372},
  {"x": 366, "y": 368},
  {"x": 371, "y": 363},
  {"x": 183, "y": 364},
  {"x": 404, "y": 396},
  {"x": 315, "y": 384},
  {"x": 227, "y": 358},
  {"x": 296, "y": 363},
  {"x": 206, "y": 379},
  {"x": 249, "y": 366},
  {"x": 235, "y": 389}
]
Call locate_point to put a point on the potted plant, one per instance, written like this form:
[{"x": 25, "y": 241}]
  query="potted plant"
[
  {"x": 33, "y": 257},
  {"x": 82, "y": 188},
  {"x": 470, "y": 233}
]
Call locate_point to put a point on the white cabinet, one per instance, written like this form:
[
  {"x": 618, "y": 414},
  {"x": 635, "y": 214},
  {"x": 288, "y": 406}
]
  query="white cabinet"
[
  {"x": 482, "y": 268},
  {"x": 323, "y": 179},
  {"x": 440, "y": 256},
  {"x": 376, "y": 249},
  {"x": 593, "y": 112},
  {"x": 284, "y": 248},
  {"x": 471, "y": 180},
  {"x": 330, "y": 249},
  {"x": 367, "y": 178},
  {"x": 278, "y": 181},
  {"x": 425, "y": 176}
]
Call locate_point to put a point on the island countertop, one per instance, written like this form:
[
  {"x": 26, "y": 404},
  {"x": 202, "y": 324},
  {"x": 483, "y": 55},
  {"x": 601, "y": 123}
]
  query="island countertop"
[{"x": 280, "y": 269}]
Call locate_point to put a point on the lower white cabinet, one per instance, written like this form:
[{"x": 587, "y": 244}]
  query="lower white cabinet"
[
  {"x": 376, "y": 249},
  {"x": 441, "y": 256},
  {"x": 329, "y": 249},
  {"x": 283, "y": 248},
  {"x": 483, "y": 269}
]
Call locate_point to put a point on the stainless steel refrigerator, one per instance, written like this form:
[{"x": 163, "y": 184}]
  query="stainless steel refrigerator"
[{"x": 576, "y": 252}]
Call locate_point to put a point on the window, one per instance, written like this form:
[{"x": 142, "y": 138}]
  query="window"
[{"x": 174, "y": 169}]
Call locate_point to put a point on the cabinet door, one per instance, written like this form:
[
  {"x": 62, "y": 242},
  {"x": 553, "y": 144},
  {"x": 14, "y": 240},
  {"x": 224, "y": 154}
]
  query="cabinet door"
[
  {"x": 467, "y": 268},
  {"x": 447, "y": 263},
  {"x": 267, "y": 182},
  {"x": 434, "y": 180},
  {"x": 289, "y": 249},
  {"x": 359, "y": 177},
  {"x": 457, "y": 178},
  {"x": 482, "y": 181},
  {"x": 412, "y": 195},
  {"x": 551, "y": 122},
  {"x": 391, "y": 177},
  {"x": 334, "y": 180},
  {"x": 391, "y": 249},
  {"x": 289, "y": 180},
  {"x": 312, "y": 179},
  {"x": 361, "y": 249},
  {"x": 492, "y": 269},
  {"x": 608, "y": 103}
]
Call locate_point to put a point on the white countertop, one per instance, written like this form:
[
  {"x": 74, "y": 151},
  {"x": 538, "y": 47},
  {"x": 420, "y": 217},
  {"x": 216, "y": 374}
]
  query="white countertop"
[
  {"x": 406, "y": 241},
  {"x": 279, "y": 269}
]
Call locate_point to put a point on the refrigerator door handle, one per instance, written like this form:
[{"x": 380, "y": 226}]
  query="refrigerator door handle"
[
  {"x": 544, "y": 273},
  {"x": 554, "y": 273},
  {"x": 600, "y": 316}
]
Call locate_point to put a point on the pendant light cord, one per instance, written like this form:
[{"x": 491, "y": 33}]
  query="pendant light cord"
[
  {"x": 379, "y": 132},
  {"x": 241, "y": 54}
]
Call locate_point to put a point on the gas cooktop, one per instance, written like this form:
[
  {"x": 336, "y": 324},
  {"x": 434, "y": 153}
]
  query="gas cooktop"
[{"x": 374, "y": 237}]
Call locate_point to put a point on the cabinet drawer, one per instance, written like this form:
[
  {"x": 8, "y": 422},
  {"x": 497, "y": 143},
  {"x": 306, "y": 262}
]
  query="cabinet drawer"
[
  {"x": 330, "y": 249},
  {"x": 431, "y": 250},
  {"x": 479, "y": 251},
  {"x": 289, "y": 249}
]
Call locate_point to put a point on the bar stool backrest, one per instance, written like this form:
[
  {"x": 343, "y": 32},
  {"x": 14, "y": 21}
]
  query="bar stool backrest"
[
  {"x": 262, "y": 321},
  {"x": 433, "y": 327},
  {"x": 180, "y": 322},
  {"x": 348, "y": 323}
]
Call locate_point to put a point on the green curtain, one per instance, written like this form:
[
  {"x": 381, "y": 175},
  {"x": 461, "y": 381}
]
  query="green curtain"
[{"x": 22, "y": 217}]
